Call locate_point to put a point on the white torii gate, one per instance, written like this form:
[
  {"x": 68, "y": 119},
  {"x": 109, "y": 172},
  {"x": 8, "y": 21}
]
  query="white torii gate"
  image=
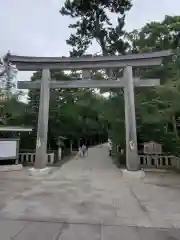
[{"x": 86, "y": 63}]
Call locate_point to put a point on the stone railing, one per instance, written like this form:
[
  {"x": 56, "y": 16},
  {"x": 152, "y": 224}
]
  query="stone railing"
[
  {"x": 29, "y": 158},
  {"x": 159, "y": 161}
]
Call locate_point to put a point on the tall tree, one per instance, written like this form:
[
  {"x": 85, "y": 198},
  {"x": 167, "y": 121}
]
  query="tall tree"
[
  {"x": 157, "y": 109},
  {"x": 94, "y": 23},
  {"x": 8, "y": 74},
  {"x": 156, "y": 35}
]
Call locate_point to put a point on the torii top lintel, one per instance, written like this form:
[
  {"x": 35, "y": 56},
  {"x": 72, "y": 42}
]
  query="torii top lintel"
[{"x": 28, "y": 63}]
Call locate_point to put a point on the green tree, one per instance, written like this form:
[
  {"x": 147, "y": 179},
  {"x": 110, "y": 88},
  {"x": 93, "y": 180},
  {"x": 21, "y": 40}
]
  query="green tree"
[
  {"x": 93, "y": 22},
  {"x": 155, "y": 36},
  {"x": 11, "y": 109},
  {"x": 73, "y": 113},
  {"x": 157, "y": 109}
]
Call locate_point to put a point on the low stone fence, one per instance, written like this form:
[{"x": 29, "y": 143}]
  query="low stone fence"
[
  {"x": 29, "y": 158},
  {"x": 159, "y": 161}
]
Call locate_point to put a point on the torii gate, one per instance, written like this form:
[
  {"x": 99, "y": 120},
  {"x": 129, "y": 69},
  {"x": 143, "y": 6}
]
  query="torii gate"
[{"x": 87, "y": 63}]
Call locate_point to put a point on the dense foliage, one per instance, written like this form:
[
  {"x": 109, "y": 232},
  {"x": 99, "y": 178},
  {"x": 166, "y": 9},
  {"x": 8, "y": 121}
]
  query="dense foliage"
[
  {"x": 92, "y": 21},
  {"x": 73, "y": 113},
  {"x": 157, "y": 110}
]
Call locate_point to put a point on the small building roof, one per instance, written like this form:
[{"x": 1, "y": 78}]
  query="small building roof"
[{"x": 15, "y": 129}]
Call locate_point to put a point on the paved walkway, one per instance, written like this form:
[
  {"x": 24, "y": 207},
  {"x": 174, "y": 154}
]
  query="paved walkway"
[{"x": 88, "y": 199}]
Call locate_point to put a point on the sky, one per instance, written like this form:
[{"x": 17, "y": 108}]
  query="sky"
[{"x": 36, "y": 28}]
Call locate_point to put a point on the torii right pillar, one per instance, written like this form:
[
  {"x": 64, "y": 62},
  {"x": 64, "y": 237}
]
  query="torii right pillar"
[{"x": 132, "y": 159}]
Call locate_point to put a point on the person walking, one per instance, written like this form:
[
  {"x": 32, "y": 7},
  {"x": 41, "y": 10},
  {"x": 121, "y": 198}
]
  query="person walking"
[
  {"x": 84, "y": 150},
  {"x": 80, "y": 151},
  {"x": 110, "y": 148}
]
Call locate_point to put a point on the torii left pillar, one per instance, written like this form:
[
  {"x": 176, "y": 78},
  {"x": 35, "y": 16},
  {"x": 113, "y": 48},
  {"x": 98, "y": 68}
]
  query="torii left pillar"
[
  {"x": 42, "y": 131},
  {"x": 132, "y": 159}
]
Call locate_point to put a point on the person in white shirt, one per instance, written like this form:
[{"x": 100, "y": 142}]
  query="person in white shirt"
[
  {"x": 110, "y": 148},
  {"x": 84, "y": 150}
]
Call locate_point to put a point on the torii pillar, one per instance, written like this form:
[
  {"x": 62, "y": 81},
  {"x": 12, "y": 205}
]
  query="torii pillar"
[
  {"x": 42, "y": 129},
  {"x": 132, "y": 159}
]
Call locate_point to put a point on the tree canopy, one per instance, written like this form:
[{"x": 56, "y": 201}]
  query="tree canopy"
[
  {"x": 73, "y": 113},
  {"x": 92, "y": 21}
]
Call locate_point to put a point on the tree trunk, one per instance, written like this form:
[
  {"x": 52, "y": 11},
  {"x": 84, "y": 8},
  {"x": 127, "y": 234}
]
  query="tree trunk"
[{"x": 175, "y": 127}]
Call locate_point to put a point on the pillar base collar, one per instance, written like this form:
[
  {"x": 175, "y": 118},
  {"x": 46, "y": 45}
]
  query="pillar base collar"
[
  {"x": 39, "y": 172},
  {"x": 132, "y": 175},
  {"x": 9, "y": 168}
]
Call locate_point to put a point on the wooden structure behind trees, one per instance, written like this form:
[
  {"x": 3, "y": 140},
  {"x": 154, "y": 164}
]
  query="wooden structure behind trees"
[{"x": 152, "y": 147}]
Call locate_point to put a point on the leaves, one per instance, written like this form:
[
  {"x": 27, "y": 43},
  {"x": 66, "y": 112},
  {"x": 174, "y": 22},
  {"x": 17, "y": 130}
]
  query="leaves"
[
  {"x": 93, "y": 22},
  {"x": 73, "y": 113}
]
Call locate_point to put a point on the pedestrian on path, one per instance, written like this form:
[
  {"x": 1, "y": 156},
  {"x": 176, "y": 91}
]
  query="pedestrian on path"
[
  {"x": 79, "y": 153},
  {"x": 110, "y": 148},
  {"x": 84, "y": 150}
]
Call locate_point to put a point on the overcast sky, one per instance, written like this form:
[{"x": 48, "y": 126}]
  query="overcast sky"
[{"x": 35, "y": 27}]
